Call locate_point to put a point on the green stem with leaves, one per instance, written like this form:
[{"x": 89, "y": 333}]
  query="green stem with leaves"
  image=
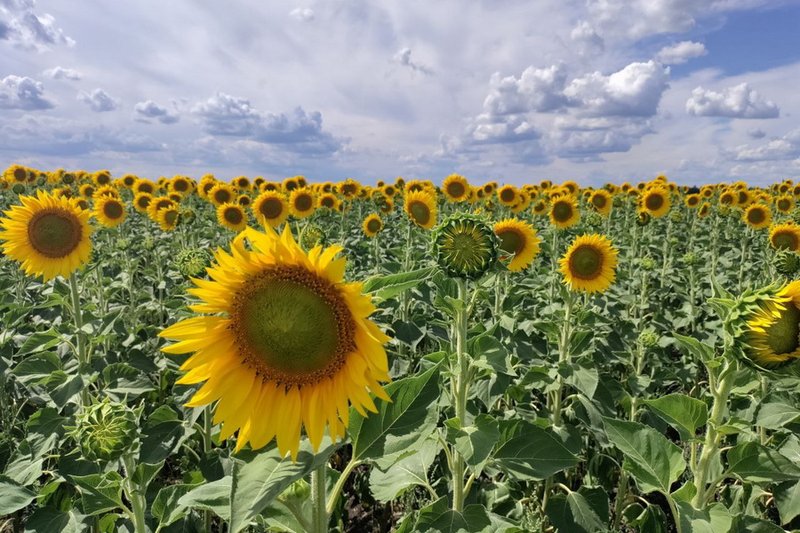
[
  {"x": 460, "y": 390},
  {"x": 77, "y": 312},
  {"x": 135, "y": 494}
]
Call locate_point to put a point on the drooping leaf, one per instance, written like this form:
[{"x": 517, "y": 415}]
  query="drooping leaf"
[{"x": 682, "y": 412}]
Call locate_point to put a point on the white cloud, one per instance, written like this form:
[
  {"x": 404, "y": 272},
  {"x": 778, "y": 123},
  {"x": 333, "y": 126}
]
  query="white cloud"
[
  {"x": 60, "y": 73},
  {"x": 99, "y": 101},
  {"x": 150, "y": 110},
  {"x": 756, "y": 134},
  {"x": 537, "y": 89},
  {"x": 584, "y": 139},
  {"x": 632, "y": 91},
  {"x": 22, "y": 93},
  {"x": 303, "y": 14},
  {"x": 27, "y": 30},
  {"x": 681, "y": 52},
  {"x": 403, "y": 57},
  {"x": 739, "y": 101},
  {"x": 585, "y": 36},
  {"x": 786, "y": 147}
]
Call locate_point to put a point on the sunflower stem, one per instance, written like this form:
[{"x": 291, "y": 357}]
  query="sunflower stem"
[
  {"x": 319, "y": 517},
  {"x": 135, "y": 494},
  {"x": 77, "y": 312},
  {"x": 461, "y": 388},
  {"x": 333, "y": 499}
]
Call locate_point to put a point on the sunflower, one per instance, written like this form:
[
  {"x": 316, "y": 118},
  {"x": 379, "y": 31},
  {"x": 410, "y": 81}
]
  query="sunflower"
[
  {"x": 110, "y": 211},
  {"x": 168, "y": 217},
  {"x": 157, "y": 204},
  {"x": 455, "y": 188},
  {"x": 540, "y": 207},
  {"x": 16, "y": 174},
  {"x": 785, "y": 237},
  {"x": 692, "y": 200},
  {"x": 517, "y": 238},
  {"x": 773, "y": 332},
  {"x": 372, "y": 225},
  {"x": 758, "y": 216},
  {"x": 704, "y": 210},
  {"x": 106, "y": 190},
  {"x": 86, "y": 190},
  {"x": 589, "y": 264},
  {"x": 286, "y": 345},
  {"x": 128, "y": 180},
  {"x": 507, "y": 195},
  {"x": 244, "y": 200},
  {"x": 144, "y": 186},
  {"x": 421, "y": 208},
  {"x": 328, "y": 200},
  {"x": 302, "y": 203},
  {"x": 101, "y": 177},
  {"x": 289, "y": 184},
  {"x": 242, "y": 183},
  {"x": 180, "y": 185},
  {"x": 50, "y": 236},
  {"x": 564, "y": 212},
  {"x": 465, "y": 246},
  {"x": 221, "y": 193},
  {"x": 141, "y": 201},
  {"x": 232, "y": 216},
  {"x": 600, "y": 201},
  {"x": 655, "y": 201},
  {"x": 784, "y": 204},
  {"x": 270, "y": 208}
]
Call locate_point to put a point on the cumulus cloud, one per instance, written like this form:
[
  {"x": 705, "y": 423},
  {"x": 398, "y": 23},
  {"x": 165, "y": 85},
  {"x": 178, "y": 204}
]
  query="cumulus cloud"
[
  {"x": 537, "y": 89},
  {"x": 403, "y": 57},
  {"x": 587, "y": 39},
  {"x": 681, "y": 52},
  {"x": 60, "y": 73},
  {"x": 740, "y": 101},
  {"x": 584, "y": 139},
  {"x": 303, "y": 14},
  {"x": 98, "y": 100},
  {"x": 756, "y": 134},
  {"x": 633, "y": 91},
  {"x": 150, "y": 110},
  {"x": 784, "y": 148},
  {"x": 22, "y": 93},
  {"x": 25, "y": 29},
  {"x": 297, "y": 131}
]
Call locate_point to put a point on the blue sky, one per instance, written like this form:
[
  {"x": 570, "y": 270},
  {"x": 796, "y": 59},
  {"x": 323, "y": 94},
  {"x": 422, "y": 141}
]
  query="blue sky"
[{"x": 510, "y": 90}]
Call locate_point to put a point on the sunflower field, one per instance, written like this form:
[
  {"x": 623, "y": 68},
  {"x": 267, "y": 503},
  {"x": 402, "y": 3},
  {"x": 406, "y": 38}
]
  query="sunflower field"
[{"x": 206, "y": 355}]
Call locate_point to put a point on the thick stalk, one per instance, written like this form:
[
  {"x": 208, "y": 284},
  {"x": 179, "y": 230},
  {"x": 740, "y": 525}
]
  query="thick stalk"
[
  {"x": 77, "y": 312},
  {"x": 319, "y": 516},
  {"x": 135, "y": 495},
  {"x": 206, "y": 450},
  {"x": 337, "y": 489},
  {"x": 720, "y": 391},
  {"x": 461, "y": 377},
  {"x": 665, "y": 255}
]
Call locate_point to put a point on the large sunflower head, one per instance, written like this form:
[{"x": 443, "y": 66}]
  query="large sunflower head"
[
  {"x": 772, "y": 339},
  {"x": 271, "y": 209},
  {"x": 372, "y": 225},
  {"x": 785, "y": 237},
  {"x": 232, "y": 216},
  {"x": 655, "y": 201},
  {"x": 785, "y": 203},
  {"x": 110, "y": 211},
  {"x": 589, "y": 264},
  {"x": 420, "y": 206},
  {"x": 168, "y": 217},
  {"x": 692, "y": 201},
  {"x": 302, "y": 202},
  {"x": 455, "y": 188},
  {"x": 465, "y": 246},
  {"x": 50, "y": 236},
  {"x": 564, "y": 212},
  {"x": 518, "y": 240},
  {"x": 144, "y": 186},
  {"x": 600, "y": 200},
  {"x": 181, "y": 185},
  {"x": 101, "y": 177},
  {"x": 285, "y": 343},
  {"x": 758, "y": 216}
]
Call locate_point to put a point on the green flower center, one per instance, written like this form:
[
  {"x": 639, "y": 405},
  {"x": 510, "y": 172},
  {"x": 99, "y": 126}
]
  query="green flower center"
[
  {"x": 374, "y": 225},
  {"x": 292, "y": 326},
  {"x": 599, "y": 201},
  {"x": 54, "y": 232},
  {"x": 112, "y": 210},
  {"x": 784, "y": 205},
  {"x": 420, "y": 213},
  {"x": 782, "y": 335},
  {"x": 466, "y": 248},
  {"x": 586, "y": 262},
  {"x": 785, "y": 240},
  {"x": 171, "y": 217}
]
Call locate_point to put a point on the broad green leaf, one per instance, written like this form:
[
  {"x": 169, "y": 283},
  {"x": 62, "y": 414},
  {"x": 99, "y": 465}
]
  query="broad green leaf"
[
  {"x": 533, "y": 453},
  {"x": 682, "y": 412},
  {"x": 787, "y": 500},
  {"x": 100, "y": 493},
  {"x": 49, "y": 520},
  {"x": 751, "y": 524},
  {"x": 695, "y": 348},
  {"x": 750, "y": 461},
  {"x": 712, "y": 520},
  {"x": 397, "y": 424},
  {"x": 488, "y": 350},
  {"x": 13, "y": 496},
  {"x": 39, "y": 342},
  {"x": 409, "y": 471},
  {"x": 474, "y": 519},
  {"x": 386, "y": 287},
  {"x": 475, "y": 442},
  {"x": 573, "y": 512},
  {"x": 584, "y": 378},
  {"x": 775, "y": 415},
  {"x": 37, "y": 368},
  {"x": 214, "y": 496},
  {"x": 653, "y": 461},
  {"x": 166, "y": 508},
  {"x": 162, "y": 434}
]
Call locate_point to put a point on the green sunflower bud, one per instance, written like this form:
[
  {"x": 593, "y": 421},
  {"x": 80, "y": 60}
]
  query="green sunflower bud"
[
  {"x": 690, "y": 259},
  {"x": 186, "y": 215},
  {"x": 18, "y": 188},
  {"x": 643, "y": 218},
  {"x": 191, "y": 261},
  {"x": 68, "y": 178},
  {"x": 593, "y": 219},
  {"x": 676, "y": 216},
  {"x": 465, "y": 246},
  {"x": 648, "y": 339},
  {"x": 312, "y": 236},
  {"x": 105, "y": 430},
  {"x": 647, "y": 263},
  {"x": 148, "y": 243},
  {"x": 123, "y": 243},
  {"x": 786, "y": 262}
]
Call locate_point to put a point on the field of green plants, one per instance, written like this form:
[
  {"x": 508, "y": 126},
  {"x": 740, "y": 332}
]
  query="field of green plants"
[{"x": 251, "y": 355}]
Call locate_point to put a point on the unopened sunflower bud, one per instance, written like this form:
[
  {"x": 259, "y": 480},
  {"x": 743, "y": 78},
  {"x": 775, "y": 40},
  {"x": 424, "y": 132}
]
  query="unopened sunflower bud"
[
  {"x": 18, "y": 188},
  {"x": 786, "y": 262},
  {"x": 647, "y": 263},
  {"x": 191, "y": 262},
  {"x": 312, "y": 236},
  {"x": 465, "y": 246},
  {"x": 648, "y": 339},
  {"x": 593, "y": 219},
  {"x": 105, "y": 430}
]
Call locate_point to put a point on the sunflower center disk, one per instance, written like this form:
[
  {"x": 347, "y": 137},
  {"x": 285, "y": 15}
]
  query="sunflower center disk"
[
  {"x": 456, "y": 190},
  {"x": 374, "y": 226},
  {"x": 271, "y": 208},
  {"x": 786, "y": 241},
  {"x": 654, "y": 202},
  {"x": 303, "y": 203},
  {"x": 234, "y": 216},
  {"x": 782, "y": 335},
  {"x": 756, "y": 216},
  {"x": 113, "y": 210},
  {"x": 562, "y": 211},
  {"x": 420, "y": 212},
  {"x": 511, "y": 242},
  {"x": 54, "y": 233},
  {"x": 292, "y": 326},
  {"x": 586, "y": 262}
]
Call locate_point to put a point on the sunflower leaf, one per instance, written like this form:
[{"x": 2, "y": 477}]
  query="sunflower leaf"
[{"x": 385, "y": 287}]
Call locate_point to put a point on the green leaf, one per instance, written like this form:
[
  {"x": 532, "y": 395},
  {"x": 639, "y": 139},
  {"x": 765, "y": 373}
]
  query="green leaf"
[
  {"x": 775, "y": 415},
  {"x": 573, "y": 512},
  {"x": 397, "y": 426},
  {"x": 13, "y": 496},
  {"x": 162, "y": 434},
  {"x": 386, "y": 287},
  {"x": 787, "y": 500},
  {"x": 714, "y": 519},
  {"x": 259, "y": 477},
  {"x": 653, "y": 461},
  {"x": 214, "y": 496},
  {"x": 39, "y": 342},
  {"x": 49, "y": 520},
  {"x": 166, "y": 508},
  {"x": 475, "y": 442},
  {"x": 37, "y": 368},
  {"x": 533, "y": 453},
  {"x": 695, "y": 348},
  {"x": 750, "y": 461},
  {"x": 474, "y": 519},
  {"x": 100, "y": 493},
  {"x": 751, "y": 524},
  {"x": 682, "y": 412},
  {"x": 486, "y": 348},
  {"x": 584, "y": 378},
  {"x": 409, "y": 471}
]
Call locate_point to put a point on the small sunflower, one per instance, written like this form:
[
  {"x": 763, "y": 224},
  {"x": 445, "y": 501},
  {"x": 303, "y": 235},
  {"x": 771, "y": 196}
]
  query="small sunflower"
[
  {"x": 773, "y": 332},
  {"x": 692, "y": 200},
  {"x": 232, "y": 216},
  {"x": 285, "y": 336},
  {"x": 655, "y": 201},
  {"x": 784, "y": 204},
  {"x": 589, "y": 264},
  {"x": 785, "y": 237},
  {"x": 221, "y": 193},
  {"x": 519, "y": 239},
  {"x": 455, "y": 188},
  {"x": 601, "y": 202},
  {"x": 49, "y": 236},
  {"x": 168, "y": 218},
  {"x": 302, "y": 202},
  {"x": 270, "y": 208},
  {"x": 421, "y": 207},
  {"x": 507, "y": 195},
  {"x": 540, "y": 207},
  {"x": 328, "y": 200},
  {"x": 87, "y": 190},
  {"x": 704, "y": 210},
  {"x": 142, "y": 201},
  {"x": 564, "y": 212},
  {"x": 181, "y": 185},
  {"x": 110, "y": 211},
  {"x": 144, "y": 186},
  {"x": 465, "y": 246},
  {"x": 758, "y": 216},
  {"x": 157, "y": 204},
  {"x": 372, "y": 225},
  {"x": 244, "y": 200}
]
